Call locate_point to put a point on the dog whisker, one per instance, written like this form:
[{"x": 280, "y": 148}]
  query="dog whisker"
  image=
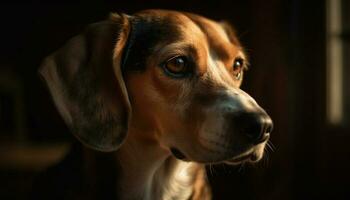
[
  {"x": 241, "y": 167},
  {"x": 270, "y": 146},
  {"x": 189, "y": 114},
  {"x": 210, "y": 170},
  {"x": 266, "y": 158}
]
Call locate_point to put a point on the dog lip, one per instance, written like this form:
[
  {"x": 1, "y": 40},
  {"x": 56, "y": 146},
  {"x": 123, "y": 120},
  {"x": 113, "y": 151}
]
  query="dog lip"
[
  {"x": 239, "y": 159},
  {"x": 263, "y": 139}
]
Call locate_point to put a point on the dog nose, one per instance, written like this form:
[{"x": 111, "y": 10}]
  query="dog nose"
[{"x": 256, "y": 126}]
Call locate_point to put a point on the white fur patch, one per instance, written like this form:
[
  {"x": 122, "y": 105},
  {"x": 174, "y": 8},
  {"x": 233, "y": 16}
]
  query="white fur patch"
[{"x": 179, "y": 186}]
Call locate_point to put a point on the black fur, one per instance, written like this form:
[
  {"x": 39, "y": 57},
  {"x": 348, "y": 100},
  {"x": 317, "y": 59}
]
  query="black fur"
[{"x": 145, "y": 34}]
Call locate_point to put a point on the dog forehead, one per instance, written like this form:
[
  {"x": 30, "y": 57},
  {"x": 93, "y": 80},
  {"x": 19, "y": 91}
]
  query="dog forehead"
[
  {"x": 154, "y": 29},
  {"x": 199, "y": 31},
  {"x": 224, "y": 45},
  {"x": 149, "y": 29},
  {"x": 173, "y": 25}
]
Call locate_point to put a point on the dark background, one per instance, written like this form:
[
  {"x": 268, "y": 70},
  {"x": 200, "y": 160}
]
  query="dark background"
[{"x": 286, "y": 41}]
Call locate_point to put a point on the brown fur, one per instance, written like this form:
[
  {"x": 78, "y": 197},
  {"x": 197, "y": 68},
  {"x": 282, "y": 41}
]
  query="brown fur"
[{"x": 110, "y": 86}]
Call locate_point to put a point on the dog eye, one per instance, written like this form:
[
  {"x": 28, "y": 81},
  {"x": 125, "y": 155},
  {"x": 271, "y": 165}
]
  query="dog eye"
[
  {"x": 177, "y": 67},
  {"x": 237, "y": 68}
]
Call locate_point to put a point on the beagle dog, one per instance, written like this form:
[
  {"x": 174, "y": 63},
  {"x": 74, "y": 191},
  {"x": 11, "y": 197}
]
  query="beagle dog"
[{"x": 160, "y": 92}]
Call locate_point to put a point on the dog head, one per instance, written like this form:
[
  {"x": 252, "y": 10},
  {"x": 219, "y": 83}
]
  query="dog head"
[{"x": 175, "y": 75}]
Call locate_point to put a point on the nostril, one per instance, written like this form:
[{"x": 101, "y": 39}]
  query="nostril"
[
  {"x": 254, "y": 125},
  {"x": 252, "y": 129}
]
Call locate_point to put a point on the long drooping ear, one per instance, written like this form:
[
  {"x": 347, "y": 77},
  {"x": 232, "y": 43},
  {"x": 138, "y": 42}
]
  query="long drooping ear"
[{"x": 85, "y": 80}]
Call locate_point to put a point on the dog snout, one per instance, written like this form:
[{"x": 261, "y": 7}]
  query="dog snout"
[{"x": 254, "y": 126}]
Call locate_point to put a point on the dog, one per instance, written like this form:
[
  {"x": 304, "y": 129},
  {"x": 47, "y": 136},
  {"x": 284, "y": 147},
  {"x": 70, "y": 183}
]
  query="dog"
[{"x": 158, "y": 93}]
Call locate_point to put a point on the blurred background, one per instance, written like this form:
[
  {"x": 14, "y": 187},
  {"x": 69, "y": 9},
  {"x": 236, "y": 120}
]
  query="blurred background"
[{"x": 300, "y": 56}]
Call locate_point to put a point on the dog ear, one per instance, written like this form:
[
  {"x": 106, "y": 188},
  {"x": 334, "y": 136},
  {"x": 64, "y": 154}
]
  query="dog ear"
[{"x": 85, "y": 80}]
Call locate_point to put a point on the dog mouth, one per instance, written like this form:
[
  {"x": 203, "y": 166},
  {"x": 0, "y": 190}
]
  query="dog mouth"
[
  {"x": 178, "y": 154},
  {"x": 251, "y": 157}
]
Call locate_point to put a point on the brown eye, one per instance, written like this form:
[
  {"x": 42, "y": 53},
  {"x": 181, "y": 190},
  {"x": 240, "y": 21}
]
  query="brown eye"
[
  {"x": 237, "y": 68},
  {"x": 176, "y": 67}
]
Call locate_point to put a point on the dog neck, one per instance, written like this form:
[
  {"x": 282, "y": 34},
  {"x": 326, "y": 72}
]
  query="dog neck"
[{"x": 149, "y": 171}]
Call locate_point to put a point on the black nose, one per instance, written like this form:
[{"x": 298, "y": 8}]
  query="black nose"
[{"x": 256, "y": 126}]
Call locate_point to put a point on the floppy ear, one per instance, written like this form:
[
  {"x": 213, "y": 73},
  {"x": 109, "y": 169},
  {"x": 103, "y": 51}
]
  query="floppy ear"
[{"x": 85, "y": 80}]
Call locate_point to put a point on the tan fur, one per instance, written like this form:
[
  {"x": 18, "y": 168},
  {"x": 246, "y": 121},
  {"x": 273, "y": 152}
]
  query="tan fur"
[{"x": 161, "y": 112}]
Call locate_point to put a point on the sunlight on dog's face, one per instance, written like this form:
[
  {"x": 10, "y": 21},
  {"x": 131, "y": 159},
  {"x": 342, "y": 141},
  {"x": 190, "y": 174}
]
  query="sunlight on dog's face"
[{"x": 189, "y": 92}]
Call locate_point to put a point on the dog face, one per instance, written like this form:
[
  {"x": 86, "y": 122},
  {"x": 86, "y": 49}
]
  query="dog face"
[
  {"x": 164, "y": 77},
  {"x": 184, "y": 85}
]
